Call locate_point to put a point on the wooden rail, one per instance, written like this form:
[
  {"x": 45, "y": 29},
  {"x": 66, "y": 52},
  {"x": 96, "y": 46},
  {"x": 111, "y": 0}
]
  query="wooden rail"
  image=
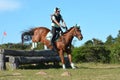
[
  {"x": 17, "y": 57},
  {"x": 29, "y": 53}
]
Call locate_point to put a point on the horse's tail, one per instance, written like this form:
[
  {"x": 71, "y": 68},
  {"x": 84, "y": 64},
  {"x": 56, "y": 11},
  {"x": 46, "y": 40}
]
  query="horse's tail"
[{"x": 27, "y": 35}]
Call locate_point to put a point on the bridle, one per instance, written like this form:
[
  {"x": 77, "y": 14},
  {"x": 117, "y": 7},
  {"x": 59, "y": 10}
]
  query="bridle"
[{"x": 75, "y": 32}]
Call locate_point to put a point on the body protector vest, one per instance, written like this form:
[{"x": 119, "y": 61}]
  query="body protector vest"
[{"x": 57, "y": 17}]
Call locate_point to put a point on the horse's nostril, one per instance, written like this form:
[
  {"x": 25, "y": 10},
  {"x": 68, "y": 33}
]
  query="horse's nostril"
[{"x": 81, "y": 38}]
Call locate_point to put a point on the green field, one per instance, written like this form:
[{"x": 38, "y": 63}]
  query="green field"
[{"x": 85, "y": 71}]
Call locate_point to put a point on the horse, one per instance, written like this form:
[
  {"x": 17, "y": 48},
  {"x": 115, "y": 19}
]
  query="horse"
[
  {"x": 34, "y": 35},
  {"x": 63, "y": 44}
]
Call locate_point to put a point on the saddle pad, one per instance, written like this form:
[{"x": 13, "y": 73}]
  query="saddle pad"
[{"x": 49, "y": 36}]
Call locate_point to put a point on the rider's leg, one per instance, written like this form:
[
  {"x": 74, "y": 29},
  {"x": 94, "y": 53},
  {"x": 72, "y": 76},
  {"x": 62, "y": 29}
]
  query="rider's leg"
[{"x": 53, "y": 37}]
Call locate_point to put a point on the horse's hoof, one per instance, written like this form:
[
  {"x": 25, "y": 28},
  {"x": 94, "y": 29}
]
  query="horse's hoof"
[
  {"x": 63, "y": 66},
  {"x": 73, "y": 67}
]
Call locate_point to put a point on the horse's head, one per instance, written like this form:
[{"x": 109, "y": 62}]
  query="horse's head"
[{"x": 77, "y": 32}]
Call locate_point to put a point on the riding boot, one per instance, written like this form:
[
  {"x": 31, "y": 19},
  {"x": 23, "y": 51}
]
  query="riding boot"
[{"x": 54, "y": 47}]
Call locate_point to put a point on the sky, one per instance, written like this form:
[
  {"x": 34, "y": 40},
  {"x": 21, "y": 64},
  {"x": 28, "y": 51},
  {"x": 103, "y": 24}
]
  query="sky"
[{"x": 97, "y": 18}]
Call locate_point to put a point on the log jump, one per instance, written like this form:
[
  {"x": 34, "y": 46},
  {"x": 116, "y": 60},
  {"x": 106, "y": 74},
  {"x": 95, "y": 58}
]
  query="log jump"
[
  {"x": 17, "y": 57},
  {"x": 29, "y": 53}
]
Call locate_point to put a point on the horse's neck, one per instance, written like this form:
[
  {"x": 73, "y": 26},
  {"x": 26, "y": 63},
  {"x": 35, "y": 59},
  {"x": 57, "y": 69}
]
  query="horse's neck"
[{"x": 68, "y": 37}]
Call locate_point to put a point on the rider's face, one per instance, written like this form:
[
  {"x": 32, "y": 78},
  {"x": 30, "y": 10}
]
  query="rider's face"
[{"x": 58, "y": 12}]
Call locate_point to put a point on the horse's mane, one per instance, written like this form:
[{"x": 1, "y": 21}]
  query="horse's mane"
[{"x": 68, "y": 30}]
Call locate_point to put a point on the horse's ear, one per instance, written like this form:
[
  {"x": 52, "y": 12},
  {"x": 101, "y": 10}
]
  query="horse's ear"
[{"x": 77, "y": 26}]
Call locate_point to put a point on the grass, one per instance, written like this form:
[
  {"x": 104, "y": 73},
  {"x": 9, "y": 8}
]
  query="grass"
[{"x": 85, "y": 71}]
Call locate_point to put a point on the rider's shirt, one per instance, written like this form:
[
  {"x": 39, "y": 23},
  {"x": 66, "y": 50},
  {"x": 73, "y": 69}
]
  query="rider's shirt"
[{"x": 57, "y": 18}]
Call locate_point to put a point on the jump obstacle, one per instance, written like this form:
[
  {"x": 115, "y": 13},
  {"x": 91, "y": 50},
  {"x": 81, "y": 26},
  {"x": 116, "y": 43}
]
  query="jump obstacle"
[{"x": 18, "y": 57}]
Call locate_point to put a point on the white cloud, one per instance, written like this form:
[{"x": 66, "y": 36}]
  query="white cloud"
[{"x": 8, "y": 5}]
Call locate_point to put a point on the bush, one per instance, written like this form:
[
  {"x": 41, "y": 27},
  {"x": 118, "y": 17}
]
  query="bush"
[
  {"x": 91, "y": 54},
  {"x": 115, "y": 54}
]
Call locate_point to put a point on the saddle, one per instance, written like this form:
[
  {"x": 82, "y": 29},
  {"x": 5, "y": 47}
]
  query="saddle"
[{"x": 49, "y": 36}]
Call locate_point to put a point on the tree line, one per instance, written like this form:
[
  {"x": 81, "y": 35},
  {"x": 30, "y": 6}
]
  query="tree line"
[
  {"x": 97, "y": 51},
  {"x": 93, "y": 50}
]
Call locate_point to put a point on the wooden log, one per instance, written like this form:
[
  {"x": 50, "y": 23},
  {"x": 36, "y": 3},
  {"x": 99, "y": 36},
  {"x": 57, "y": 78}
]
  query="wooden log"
[
  {"x": 6, "y": 58},
  {"x": 30, "y": 60},
  {"x": 26, "y": 57},
  {"x": 2, "y": 60},
  {"x": 14, "y": 62},
  {"x": 29, "y": 53}
]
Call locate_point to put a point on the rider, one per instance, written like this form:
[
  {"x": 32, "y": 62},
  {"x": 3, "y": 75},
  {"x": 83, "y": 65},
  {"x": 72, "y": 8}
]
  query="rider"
[{"x": 56, "y": 26}]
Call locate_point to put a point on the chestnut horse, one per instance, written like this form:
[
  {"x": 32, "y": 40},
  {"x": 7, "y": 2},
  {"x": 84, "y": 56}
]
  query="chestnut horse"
[{"x": 63, "y": 44}]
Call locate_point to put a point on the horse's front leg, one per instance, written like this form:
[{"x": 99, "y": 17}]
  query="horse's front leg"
[
  {"x": 62, "y": 58},
  {"x": 70, "y": 59}
]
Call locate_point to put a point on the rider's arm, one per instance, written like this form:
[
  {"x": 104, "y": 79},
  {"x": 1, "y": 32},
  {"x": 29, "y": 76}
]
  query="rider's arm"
[{"x": 63, "y": 22}]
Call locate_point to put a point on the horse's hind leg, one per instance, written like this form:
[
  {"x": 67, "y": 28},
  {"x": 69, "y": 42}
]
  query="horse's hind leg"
[
  {"x": 34, "y": 45},
  {"x": 45, "y": 47}
]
